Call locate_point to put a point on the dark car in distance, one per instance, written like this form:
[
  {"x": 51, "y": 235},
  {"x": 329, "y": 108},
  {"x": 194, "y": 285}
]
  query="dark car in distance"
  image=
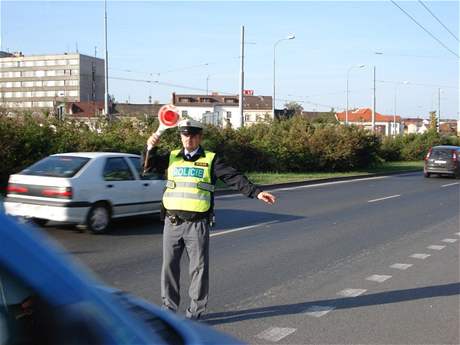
[{"x": 442, "y": 160}]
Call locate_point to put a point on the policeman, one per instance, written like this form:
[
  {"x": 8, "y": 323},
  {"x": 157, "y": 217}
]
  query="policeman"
[{"x": 188, "y": 204}]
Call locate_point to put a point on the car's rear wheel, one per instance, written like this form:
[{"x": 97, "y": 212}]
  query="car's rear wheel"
[
  {"x": 98, "y": 219},
  {"x": 426, "y": 174},
  {"x": 39, "y": 221}
]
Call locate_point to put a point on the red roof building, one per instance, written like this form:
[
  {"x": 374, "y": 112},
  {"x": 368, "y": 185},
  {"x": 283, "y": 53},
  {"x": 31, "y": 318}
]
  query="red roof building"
[{"x": 384, "y": 124}]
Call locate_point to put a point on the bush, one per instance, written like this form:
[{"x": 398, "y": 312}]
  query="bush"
[{"x": 292, "y": 145}]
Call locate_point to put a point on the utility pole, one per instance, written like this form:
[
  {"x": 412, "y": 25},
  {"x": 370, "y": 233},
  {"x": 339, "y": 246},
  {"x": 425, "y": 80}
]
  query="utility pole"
[
  {"x": 373, "y": 103},
  {"x": 241, "y": 100},
  {"x": 438, "y": 126},
  {"x": 106, "y": 67}
]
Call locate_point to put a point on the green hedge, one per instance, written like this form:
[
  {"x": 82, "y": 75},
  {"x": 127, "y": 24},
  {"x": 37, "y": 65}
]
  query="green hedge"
[{"x": 294, "y": 145}]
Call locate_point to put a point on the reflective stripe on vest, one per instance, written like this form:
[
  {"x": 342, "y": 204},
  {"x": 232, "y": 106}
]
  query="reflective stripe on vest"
[
  {"x": 200, "y": 185},
  {"x": 189, "y": 184}
]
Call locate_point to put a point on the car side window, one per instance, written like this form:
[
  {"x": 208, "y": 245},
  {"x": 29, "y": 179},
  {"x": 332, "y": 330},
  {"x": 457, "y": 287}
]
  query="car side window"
[
  {"x": 116, "y": 169},
  {"x": 136, "y": 161}
]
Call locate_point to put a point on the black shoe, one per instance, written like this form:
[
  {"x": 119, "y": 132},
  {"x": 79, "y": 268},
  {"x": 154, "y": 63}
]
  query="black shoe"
[
  {"x": 165, "y": 307},
  {"x": 189, "y": 315}
]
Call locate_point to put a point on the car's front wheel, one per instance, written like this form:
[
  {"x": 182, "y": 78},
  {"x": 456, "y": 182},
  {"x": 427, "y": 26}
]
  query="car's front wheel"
[{"x": 98, "y": 219}]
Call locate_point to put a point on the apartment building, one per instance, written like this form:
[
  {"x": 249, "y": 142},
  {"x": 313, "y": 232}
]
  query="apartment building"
[
  {"x": 223, "y": 110},
  {"x": 44, "y": 81}
]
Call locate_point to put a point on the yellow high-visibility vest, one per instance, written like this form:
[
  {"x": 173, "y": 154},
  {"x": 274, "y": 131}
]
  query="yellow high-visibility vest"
[{"x": 189, "y": 184}]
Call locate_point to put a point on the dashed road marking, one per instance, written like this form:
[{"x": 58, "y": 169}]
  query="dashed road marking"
[
  {"x": 275, "y": 334},
  {"x": 319, "y": 310},
  {"x": 420, "y": 256},
  {"x": 401, "y": 266},
  {"x": 436, "y": 247},
  {"x": 385, "y": 198},
  {"x": 449, "y": 240},
  {"x": 379, "y": 278},
  {"x": 351, "y": 292},
  {"x": 224, "y": 232},
  {"x": 450, "y": 184}
]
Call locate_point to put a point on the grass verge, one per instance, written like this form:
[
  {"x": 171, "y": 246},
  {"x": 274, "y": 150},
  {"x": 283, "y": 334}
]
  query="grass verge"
[{"x": 273, "y": 177}]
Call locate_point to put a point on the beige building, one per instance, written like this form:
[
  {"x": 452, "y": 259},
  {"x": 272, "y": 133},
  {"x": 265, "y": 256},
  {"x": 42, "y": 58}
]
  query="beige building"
[
  {"x": 223, "y": 110},
  {"x": 44, "y": 81}
]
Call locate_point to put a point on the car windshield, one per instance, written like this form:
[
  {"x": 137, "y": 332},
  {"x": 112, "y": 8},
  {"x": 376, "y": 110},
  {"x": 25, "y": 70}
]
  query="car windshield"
[
  {"x": 441, "y": 154},
  {"x": 56, "y": 166}
]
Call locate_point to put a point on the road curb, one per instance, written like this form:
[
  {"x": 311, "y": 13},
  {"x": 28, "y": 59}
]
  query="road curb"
[{"x": 317, "y": 181}]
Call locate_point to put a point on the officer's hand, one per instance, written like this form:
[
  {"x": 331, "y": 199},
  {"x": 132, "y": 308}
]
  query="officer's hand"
[
  {"x": 266, "y": 197},
  {"x": 153, "y": 140}
]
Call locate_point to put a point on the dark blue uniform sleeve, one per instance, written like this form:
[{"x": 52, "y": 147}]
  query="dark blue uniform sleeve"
[
  {"x": 156, "y": 163},
  {"x": 233, "y": 178}
]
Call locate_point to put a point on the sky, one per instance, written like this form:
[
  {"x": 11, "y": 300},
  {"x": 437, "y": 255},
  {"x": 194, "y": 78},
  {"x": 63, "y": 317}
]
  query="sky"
[{"x": 159, "y": 47}]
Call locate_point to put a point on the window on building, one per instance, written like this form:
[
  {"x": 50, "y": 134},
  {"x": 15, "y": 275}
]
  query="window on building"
[
  {"x": 27, "y": 83},
  {"x": 28, "y": 74},
  {"x": 247, "y": 117},
  {"x": 229, "y": 114},
  {"x": 28, "y": 63},
  {"x": 62, "y": 62},
  {"x": 39, "y": 93},
  {"x": 184, "y": 113},
  {"x": 71, "y": 82},
  {"x": 39, "y": 63},
  {"x": 73, "y": 61},
  {"x": 50, "y": 93},
  {"x": 51, "y": 73},
  {"x": 72, "y": 93},
  {"x": 50, "y": 62}
]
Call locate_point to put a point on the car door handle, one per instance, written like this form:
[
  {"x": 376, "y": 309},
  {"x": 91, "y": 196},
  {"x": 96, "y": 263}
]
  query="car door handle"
[
  {"x": 146, "y": 184},
  {"x": 109, "y": 186}
]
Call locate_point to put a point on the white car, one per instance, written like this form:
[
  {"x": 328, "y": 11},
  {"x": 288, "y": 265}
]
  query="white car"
[{"x": 87, "y": 188}]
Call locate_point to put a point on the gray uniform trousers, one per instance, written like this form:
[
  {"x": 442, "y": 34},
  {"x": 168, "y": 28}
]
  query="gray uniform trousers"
[{"x": 194, "y": 238}]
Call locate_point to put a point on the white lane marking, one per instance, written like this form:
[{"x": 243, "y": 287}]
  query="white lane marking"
[
  {"x": 387, "y": 197},
  {"x": 436, "y": 247},
  {"x": 401, "y": 266},
  {"x": 420, "y": 256},
  {"x": 351, "y": 292},
  {"x": 330, "y": 183},
  {"x": 224, "y": 232},
  {"x": 449, "y": 240},
  {"x": 319, "y": 310},
  {"x": 275, "y": 334},
  {"x": 450, "y": 184},
  {"x": 379, "y": 278}
]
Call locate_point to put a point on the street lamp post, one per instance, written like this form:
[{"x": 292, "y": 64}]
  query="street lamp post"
[
  {"x": 394, "y": 106},
  {"x": 207, "y": 83},
  {"x": 289, "y": 37},
  {"x": 348, "y": 75}
]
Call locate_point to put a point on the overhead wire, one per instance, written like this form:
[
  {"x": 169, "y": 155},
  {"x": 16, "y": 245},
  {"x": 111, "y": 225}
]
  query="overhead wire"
[
  {"x": 424, "y": 29},
  {"x": 439, "y": 21}
]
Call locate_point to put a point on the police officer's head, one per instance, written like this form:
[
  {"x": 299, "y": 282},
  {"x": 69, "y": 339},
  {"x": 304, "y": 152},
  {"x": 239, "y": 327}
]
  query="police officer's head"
[{"x": 191, "y": 133}]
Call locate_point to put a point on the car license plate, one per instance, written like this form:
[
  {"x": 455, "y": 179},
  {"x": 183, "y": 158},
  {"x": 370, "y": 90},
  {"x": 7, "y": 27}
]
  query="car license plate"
[{"x": 440, "y": 162}]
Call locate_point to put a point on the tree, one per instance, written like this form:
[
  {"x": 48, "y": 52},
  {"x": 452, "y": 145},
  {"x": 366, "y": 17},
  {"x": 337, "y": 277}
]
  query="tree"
[
  {"x": 433, "y": 121},
  {"x": 296, "y": 107}
]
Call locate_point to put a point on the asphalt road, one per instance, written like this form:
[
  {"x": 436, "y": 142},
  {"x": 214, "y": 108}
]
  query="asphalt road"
[{"x": 364, "y": 261}]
